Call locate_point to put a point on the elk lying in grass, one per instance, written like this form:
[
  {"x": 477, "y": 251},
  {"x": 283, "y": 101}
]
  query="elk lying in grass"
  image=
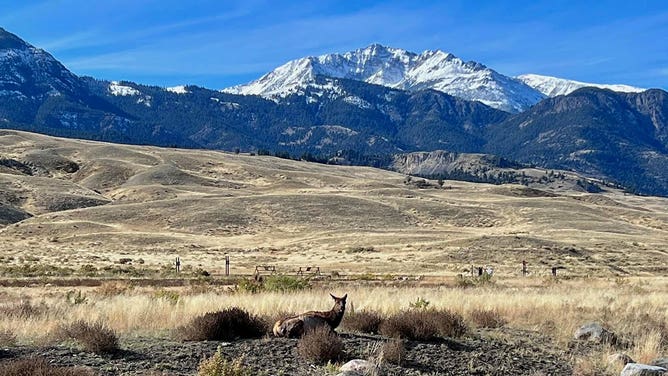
[{"x": 296, "y": 326}]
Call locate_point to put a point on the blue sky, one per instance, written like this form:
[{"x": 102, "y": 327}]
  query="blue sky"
[{"x": 225, "y": 42}]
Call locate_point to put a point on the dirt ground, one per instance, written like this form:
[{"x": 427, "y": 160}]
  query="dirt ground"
[{"x": 485, "y": 352}]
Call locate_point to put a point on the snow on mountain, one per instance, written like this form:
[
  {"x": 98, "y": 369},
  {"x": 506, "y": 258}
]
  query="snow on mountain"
[
  {"x": 181, "y": 89},
  {"x": 400, "y": 69},
  {"x": 28, "y": 71},
  {"x": 553, "y": 86},
  {"x": 115, "y": 88}
]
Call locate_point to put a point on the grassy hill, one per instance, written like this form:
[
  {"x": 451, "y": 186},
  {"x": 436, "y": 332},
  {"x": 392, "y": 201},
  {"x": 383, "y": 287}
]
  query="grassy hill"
[{"x": 74, "y": 203}]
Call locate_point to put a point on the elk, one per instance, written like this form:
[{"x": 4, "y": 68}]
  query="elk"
[{"x": 296, "y": 326}]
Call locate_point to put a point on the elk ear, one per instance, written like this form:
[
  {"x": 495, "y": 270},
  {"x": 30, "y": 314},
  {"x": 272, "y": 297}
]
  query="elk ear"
[
  {"x": 333, "y": 297},
  {"x": 345, "y": 297}
]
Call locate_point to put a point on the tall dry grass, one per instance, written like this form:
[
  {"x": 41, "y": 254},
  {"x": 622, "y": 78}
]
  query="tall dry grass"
[{"x": 636, "y": 309}]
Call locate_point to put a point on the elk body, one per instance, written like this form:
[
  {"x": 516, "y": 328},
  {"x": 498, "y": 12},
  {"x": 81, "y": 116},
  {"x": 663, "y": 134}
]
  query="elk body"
[{"x": 296, "y": 326}]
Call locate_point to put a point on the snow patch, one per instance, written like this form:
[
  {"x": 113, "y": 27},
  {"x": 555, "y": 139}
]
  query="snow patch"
[
  {"x": 357, "y": 101},
  {"x": 554, "y": 86},
  {"x": 181, "y": 89},
  {"x": 115, "y": 88}
]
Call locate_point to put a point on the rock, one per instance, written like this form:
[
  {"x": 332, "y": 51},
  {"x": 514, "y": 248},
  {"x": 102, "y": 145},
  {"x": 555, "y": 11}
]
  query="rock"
[
  {"x": 356, "y": 367},
  {"x": 595, "y": 332},
  {"x": 620, "y": 358},
  {"x": 637, "y": 369},
  {"x": 661, "y": 362}
]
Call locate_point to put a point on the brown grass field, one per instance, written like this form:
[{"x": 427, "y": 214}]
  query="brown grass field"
[{"x": 112, "y": 229}]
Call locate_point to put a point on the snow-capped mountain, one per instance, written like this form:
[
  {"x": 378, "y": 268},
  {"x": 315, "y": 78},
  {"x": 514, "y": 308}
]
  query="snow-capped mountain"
[
  {"x": 553, "y": 86},
  {"x": 27, "y": 72},
  {"x": 400, "y": 69}
]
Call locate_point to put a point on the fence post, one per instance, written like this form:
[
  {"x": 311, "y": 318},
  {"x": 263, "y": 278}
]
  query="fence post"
[
  {"x": 178, "y": 265},
  {"x": 227, "y": 265}
]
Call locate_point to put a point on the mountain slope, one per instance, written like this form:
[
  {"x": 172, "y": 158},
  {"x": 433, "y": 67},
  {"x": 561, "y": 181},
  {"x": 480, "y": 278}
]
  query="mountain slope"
[
  {"x": 620, "y": 136},
  {"x": 553, "y": 86},
  {"x": 400, "y": 69},
  {"x": 38, "y": 93},
  {"x": 327, "y": 116}
]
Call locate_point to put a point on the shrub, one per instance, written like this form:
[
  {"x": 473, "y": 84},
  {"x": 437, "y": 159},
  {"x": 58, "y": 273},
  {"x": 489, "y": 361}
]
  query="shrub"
[
  {"x": 75, "y": 297},
  {"x": 320, "y": 346},
  {"x": 361, "y": 250},
  {"x": 363, "y": 322},
  {"x": 95, "y": 337},
  {"x": 247, "y": 285},
  {"x": 424, "y": 325},
  {"x": 419, "y": 303},
  {"x": 225, "y": 325},
  {"x": 487, "y": 318},
  {"x": 394, "y": 352},
  {"x": 272, "y": 283},
  {"x": 285, "y": 283},
  {"x": 217, "y": 365},
  {"x": 39, "y": 366}
]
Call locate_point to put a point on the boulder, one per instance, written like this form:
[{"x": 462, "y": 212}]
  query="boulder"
[
  {"x": 356, "y": 367},
  {"x": 637, "y": 369},
  {"x": 595, "y": 332},
  {"x": 620, "y": 358}
]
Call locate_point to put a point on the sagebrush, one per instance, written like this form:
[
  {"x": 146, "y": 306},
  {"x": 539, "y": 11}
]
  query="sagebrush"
[
  {"x": 40, "y": 367},
  {"x": 363, "y": 322},
  {"x": 218, "y": 365},
  {"x": 94, "y": 337},
  {"x": 424, "y": 325},
  {"x": 225, "y": 325},
  {"x": 320, "y": 346}
]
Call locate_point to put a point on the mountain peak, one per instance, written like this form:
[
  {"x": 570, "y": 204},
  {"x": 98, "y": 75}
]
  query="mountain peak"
[
  {"x": 10, "y": 41},
  {"x": 400, "y": 69},
  {"x": 30, "y": 72},
  {"x": 554, "y": 86}
]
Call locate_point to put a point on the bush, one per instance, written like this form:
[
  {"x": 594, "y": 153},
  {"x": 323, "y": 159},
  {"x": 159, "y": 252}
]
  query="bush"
[
  {"x": 487, "y": 318},
  {"x": 75, "y": 297},
  {"x": 394, "y": 352},
  {"x": 320, "y": 346},
  {"x": 423, "y": 325},
  {"x": 39, "y": 366},
  {"x": 419, "y": 303},
  {"x": 247, "y": 285},
  {"x": 363, "y": 322},
  {"x": 272, "y": 283},
  {"x": 285, "y": 283},
  {"x": 217, "y": 365},
  {"x": 225, "y": 325},
  {"x": 96, "y": 337}
]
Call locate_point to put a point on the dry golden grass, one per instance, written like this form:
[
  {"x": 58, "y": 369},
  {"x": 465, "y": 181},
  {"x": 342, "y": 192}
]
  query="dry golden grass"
[
  {"x": 635, "y": 310},
  {"x": 203, "y": 205}
]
